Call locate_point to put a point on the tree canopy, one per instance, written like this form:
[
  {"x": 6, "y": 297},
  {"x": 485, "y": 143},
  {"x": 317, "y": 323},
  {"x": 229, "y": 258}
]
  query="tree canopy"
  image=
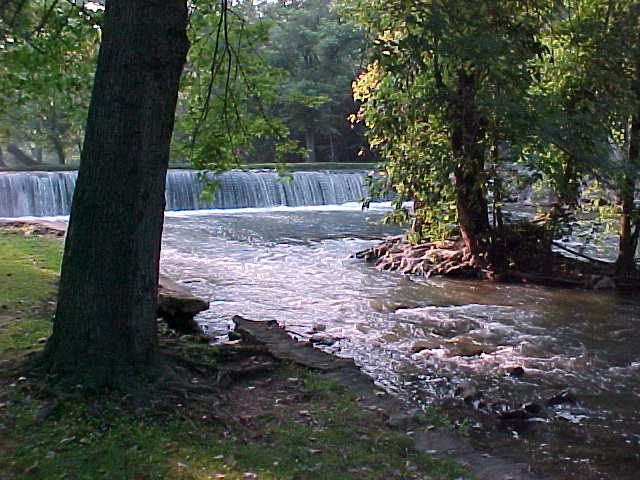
[{"x": 456, "y": 91}]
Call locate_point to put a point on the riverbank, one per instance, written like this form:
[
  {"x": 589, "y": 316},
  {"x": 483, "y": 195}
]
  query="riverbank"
[
  {"x": 522, "y": 262},
  {"x": 254, "y": 415}
]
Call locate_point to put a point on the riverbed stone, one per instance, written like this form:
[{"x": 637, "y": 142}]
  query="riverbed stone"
[
  {"x": 515, "y": 372},
  {"x": 421, "y": 345},
  {"x": 322, "y": 339},
  {"x": 604, "y": 283},
  {"x": 177, "y": 306},
  {"x": 36, "y": 227},
  {"x": 468, "y": 348}
]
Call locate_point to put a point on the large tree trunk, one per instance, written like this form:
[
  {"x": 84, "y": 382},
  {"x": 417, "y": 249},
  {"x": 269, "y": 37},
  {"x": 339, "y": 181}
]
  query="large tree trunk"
[
  {"x": 105, "y": 322},
  {"x": 471, "y": 202}
]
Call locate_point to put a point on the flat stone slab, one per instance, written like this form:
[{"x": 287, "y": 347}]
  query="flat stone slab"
[{"x": 283, "y": 347}]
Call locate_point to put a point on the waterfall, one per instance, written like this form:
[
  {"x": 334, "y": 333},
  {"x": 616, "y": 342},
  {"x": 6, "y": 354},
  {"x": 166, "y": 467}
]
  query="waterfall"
[{"x": 49, "y": 193}]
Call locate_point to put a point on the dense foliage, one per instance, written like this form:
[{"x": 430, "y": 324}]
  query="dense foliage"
[
  {"x": 47, "y": 52},
  {"x": 263, "y": 82},
  {"x": 457, "y": 92}
]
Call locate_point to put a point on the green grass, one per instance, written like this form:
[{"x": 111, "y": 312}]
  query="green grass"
[
  {"x": 28, "y": 273},
  {"x": 333, "y": 439}
]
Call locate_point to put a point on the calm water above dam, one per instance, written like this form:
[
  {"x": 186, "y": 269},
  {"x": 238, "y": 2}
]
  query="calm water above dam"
[{"x": 423, "y": 339}]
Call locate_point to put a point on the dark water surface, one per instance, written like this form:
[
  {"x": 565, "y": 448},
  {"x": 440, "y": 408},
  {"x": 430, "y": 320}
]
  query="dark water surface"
[{"x": 422, "y": 340}]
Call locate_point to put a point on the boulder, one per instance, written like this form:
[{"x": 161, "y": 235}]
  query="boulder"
[
  {"x": 177, "y": 306},
  {"x": 604, "y": 283}
]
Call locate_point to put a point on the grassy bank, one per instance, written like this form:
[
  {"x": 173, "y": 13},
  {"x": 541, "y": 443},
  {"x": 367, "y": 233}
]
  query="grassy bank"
[{"x": 280, "y": 421}]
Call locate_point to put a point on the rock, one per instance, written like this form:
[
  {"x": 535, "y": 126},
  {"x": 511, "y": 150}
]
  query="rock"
[
  {"x": 604, "y": 283},
  {"x": 519, "y": 414},
  {"x": 177, "y": 306},
  {"x": 468, "y": 348},
  {"x": 560, "y": 398},
  {"x": 37, "y": 227},
  {"x": 421, "y": 345},
  {"x": 233, "y": 335},
  {"x": 515, "y": 372},
  {"x": 322, "y": 339},
  {"x": 525, "y": 412},
  {"x": 532, "y": 408},
  {"x": 467, "y": 392}
]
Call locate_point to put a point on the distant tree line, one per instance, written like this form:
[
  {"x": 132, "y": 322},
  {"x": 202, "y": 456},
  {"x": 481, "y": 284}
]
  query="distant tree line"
[{"x": 263, "y": 82}]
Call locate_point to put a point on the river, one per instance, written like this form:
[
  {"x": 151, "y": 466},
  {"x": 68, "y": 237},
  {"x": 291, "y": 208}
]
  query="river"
[{"x": 423, "y": 339}]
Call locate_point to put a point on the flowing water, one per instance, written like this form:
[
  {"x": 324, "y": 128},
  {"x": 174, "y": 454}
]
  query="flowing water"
[
  {"x": 41, "y": 194},
  {"x": 422, "y": 340}
]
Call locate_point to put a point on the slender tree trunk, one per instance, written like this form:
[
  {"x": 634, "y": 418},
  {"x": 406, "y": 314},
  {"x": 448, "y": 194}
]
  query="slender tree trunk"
[
  {"x": 105, "y": 323},
  {"x": 310, "y": 138},
  {"x": 56, "y": 132},
  {"x": 59, "y": 148},
  {"x": 471, "y": 202},
  {"x": 418, "y": 219},
  {"x": 2, "y": 164},
  {"x": 629, "y": 240},
  {"x": 37, "y": 153},
  {"x": 332, "y": 146}
]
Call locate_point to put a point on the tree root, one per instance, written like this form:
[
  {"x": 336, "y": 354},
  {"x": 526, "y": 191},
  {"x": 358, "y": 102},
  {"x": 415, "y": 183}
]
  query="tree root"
[
  {"x": 519, "y": 260},
  {"x": 426, "y": 259}
]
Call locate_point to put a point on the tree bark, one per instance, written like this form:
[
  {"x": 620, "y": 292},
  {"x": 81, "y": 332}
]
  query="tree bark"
[
  {"x": 629, "y": 241},
  {"x": 37, "y": 153},
  {"x": 332, "y": 147},
  {"x": 2, "y": 164},
  {"x": 310, "y": 138},
  {"x": 471, "y": 202},
  {"x": 59, "y": 148},
  {"x": 105, "y": 323}
]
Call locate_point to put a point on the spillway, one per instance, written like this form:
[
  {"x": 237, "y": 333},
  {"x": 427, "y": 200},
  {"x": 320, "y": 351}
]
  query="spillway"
[{"x": 41, "y": 194}]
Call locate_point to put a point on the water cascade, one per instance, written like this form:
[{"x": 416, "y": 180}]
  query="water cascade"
[{"x": 49, "y": 193}]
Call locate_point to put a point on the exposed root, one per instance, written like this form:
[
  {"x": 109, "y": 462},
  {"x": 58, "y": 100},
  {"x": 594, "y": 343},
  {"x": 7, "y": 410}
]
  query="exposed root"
[
  {"x": 520, "y": 257},
  {"x": 426, "y": 259}
]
